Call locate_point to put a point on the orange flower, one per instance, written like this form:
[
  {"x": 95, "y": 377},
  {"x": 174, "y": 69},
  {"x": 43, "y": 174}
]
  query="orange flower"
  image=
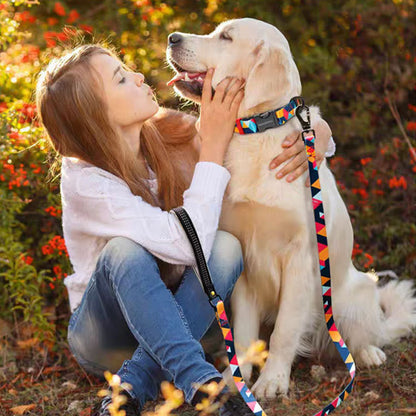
[
  {"x": 356, "y": 250},
  {"x": 411, "y": 107},
  {"x": 27, "y": 259},
  {"x": 24, "y": 17},
  {"x": 49, "y": 37},
  {"x": 46, "y": 249},
  {"x": 52, "y": 21},
  {"x": 73, "y": 16},
  {"x": 36, "y": 169},
  {"x": 58, "y": 271},
  {"x": 62, "y": 36},
  {"x": 28, "y": 113},
  {"x": 53, "y": 211},
  {"x": 86, "y": 28},
  {"x": 369, "y": 261},
  {"x": 59, "y": 9},
  {"x": 366, "y": 160},
  {"x": 411, "y": 126},
  {"x": 398, "y": 183},
  {"x": 3, "y": 107}
]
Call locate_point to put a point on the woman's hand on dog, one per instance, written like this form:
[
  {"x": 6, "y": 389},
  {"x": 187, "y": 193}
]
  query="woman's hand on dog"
[
  {"x": 217, "y": 116},
  {"x": 294, "y": 151}
]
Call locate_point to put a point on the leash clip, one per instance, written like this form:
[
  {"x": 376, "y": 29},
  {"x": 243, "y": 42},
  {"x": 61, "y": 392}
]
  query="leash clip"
[{"x": 306, "y": 124}]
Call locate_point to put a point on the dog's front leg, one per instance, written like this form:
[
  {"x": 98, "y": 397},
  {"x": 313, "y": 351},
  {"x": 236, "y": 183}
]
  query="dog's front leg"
[
  {"x": 292, "y": 320},
  {"x": 246, "y": 323}
]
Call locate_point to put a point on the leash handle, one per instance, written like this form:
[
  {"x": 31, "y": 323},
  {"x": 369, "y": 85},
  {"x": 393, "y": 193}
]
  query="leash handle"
[
  {"x": 308, "y": 136},
  {"x": 192, "y": 235}
]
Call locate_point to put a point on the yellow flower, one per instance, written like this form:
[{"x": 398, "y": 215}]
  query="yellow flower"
[{"x": 256, "y": 354}]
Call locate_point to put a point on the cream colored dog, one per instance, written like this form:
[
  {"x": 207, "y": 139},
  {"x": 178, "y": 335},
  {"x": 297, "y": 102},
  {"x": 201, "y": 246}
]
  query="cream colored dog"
[{"x": 274, "y": 219}]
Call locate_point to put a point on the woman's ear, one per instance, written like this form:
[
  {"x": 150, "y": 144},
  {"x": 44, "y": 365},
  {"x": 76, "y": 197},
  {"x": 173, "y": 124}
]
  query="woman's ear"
[{"x": 269, "y": 77}]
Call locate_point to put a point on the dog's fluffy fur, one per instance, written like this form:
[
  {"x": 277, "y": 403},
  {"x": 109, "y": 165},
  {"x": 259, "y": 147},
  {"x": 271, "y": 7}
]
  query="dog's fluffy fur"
[{"x": 274, "y": 221}]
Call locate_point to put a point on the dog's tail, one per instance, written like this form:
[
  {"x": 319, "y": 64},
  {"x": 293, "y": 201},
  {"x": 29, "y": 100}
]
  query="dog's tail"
[{"x": 399, "y": 306}]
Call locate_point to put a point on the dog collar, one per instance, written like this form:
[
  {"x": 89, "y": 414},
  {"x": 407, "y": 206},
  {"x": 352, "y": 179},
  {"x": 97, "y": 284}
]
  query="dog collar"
[{"x": 269, "y": 119}]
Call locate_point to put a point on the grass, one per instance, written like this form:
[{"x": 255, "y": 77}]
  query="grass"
[{"x": 53, "y": 384}]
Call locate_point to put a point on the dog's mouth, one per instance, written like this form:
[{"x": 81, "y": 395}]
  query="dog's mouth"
[{"x": 187, "y": 81}]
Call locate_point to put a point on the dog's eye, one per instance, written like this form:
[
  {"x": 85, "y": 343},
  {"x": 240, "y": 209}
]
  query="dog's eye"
[{"x": 225, "y": 36}]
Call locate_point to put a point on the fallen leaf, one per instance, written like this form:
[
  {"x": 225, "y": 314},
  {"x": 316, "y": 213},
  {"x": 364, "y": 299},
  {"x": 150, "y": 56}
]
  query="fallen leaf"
[
  {"x": 76, "y": 406},
  {"x": 69, "y": 385},
  {"x": 316, "y": 402},
  {"x": 27, "y": 343},
  {"x": 20, "y": 410},
  {"x": 48, "y": 370},
  {"x": 372, "y": 395},
  {"x": 85, "y": 412}
]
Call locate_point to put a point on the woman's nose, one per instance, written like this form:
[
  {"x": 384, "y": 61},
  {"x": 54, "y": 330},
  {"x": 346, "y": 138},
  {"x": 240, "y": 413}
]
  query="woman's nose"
[{"x": 139, "y": 78}]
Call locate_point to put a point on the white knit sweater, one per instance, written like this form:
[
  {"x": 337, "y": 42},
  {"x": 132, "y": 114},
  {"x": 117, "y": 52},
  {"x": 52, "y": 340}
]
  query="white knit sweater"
[{"x": 97, "y": 206}]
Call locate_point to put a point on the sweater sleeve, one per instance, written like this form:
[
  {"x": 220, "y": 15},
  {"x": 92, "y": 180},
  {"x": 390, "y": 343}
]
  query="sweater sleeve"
[{"x": 106, "y": 208}]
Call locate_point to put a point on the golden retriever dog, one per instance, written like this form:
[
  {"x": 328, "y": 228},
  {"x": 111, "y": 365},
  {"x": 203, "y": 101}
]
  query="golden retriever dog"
[{"x": 274, "y": 221}]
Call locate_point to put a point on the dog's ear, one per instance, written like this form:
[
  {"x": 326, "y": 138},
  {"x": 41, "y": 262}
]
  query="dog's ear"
[{"x": 270, "y": 76}]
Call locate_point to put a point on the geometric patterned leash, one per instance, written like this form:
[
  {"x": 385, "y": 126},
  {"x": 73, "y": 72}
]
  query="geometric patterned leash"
[
  {"x": 308, "y": 135},
  {"x": 216, "y": 302}
]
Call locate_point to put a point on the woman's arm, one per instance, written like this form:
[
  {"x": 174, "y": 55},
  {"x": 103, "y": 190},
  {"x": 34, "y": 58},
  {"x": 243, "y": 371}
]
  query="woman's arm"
[{"x": 295, "y": 152}]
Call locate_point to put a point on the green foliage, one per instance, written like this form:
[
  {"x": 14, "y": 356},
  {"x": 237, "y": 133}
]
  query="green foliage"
[{"x": 356, "y": 61}]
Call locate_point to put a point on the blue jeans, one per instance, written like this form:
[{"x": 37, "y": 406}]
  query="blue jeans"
[{"x": 127, "y": 313}]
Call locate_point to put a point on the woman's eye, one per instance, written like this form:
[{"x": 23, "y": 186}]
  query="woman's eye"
[
  {"x": 225, "y": 36},
  {"x": 122, "y": 80}
]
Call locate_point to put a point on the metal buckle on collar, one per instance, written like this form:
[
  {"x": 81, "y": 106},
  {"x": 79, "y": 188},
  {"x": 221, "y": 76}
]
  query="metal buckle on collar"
[{"x": 266, "y": 120}]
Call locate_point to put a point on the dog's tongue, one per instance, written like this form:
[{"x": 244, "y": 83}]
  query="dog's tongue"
[{"x": 186, "y": 76}]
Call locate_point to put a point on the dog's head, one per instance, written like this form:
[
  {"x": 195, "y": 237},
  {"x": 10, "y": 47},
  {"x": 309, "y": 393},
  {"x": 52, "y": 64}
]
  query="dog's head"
[{"x": 245, "y": 48}]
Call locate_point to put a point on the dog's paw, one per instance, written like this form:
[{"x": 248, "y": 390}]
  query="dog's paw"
[
  {"x": 371, "y": 356},
  {"x": 269, "y": 383}
]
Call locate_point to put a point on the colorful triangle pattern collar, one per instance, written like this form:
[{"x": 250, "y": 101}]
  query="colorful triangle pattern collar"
[{"x": 269, "y": 119}]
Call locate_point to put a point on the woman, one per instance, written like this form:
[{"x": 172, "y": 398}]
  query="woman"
[{"x": 118, "y": 184}]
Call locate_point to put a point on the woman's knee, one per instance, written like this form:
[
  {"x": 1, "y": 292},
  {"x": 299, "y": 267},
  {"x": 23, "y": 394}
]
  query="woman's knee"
[
  {"x": 120, "y": 249},
  {"x": 226, "y": 257},
  {"x": 120, "y": 254}
]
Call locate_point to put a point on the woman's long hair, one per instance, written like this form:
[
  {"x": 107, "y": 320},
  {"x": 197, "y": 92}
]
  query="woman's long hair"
[{"x": 74, "y": 115}]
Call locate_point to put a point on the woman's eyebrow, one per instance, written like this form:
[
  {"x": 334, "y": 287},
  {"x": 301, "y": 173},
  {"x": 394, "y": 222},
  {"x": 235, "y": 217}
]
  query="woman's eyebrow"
[{"x": 116, "y": 70}]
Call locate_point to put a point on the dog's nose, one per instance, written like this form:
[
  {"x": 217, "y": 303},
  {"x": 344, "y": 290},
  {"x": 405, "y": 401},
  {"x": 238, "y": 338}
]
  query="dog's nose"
[{"x": 174, "y": 39}]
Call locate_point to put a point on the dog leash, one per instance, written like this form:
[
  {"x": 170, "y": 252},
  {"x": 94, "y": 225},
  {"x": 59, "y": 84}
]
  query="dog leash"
[{"x": 308, "y": 136}]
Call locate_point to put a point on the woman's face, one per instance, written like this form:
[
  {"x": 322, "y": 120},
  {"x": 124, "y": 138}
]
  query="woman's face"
[{"x": 129, "y": 100}]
